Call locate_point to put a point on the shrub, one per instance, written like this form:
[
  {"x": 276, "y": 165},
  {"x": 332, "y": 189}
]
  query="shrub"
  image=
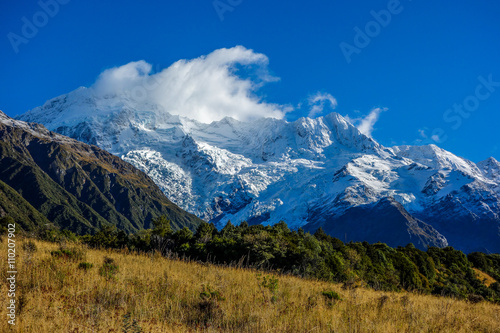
[
  {"x": 475, "y": 298},
  {"x": 4, "y": 222},
  {"x": 73, "y": 254},
  {"x": 270, "y": 283},
  {"x": 30, "y": 247},
  {"x": 331, "y": 295},
  {"x": 85, "y": 266},
  {"x": 56, "y": 253},
  {"x": 109, "y": 269},
  {"x": 209, "y": 309},
  {"x": 130, "y": 326},
  {"x": 382, "y": 300},
  {"x": 210, "y": 294}
]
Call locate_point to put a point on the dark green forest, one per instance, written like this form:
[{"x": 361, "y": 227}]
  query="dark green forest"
[{"x": 437, "y": 271}]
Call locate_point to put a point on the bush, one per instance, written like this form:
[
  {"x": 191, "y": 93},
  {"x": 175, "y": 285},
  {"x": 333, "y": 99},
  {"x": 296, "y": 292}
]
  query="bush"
[
  {"x": 475, "y": 298},
  {"x": 30, "y": 246},
  {"x": 270, "y": 283},
  {"x": 4, "y": 222},
  {"x": 382, "y": 300},
  {"x": 85, "y": 266},
  {"x": 109, "y": 269},
  {"x": 208, "y": 293},
  {"x": 60, "y": 253},
  {"x": 73, "y": 254},
  {"x": 331, "y": 295},
  {"x": 130, "y": 326},
  {"x": 209, "y": 310}
]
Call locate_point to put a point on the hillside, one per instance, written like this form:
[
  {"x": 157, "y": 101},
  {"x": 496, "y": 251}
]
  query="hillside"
[
  {"x": 441, "y": 272},
  {"x": 48, "y": 178},
  {"x": 164, "y": 295}
]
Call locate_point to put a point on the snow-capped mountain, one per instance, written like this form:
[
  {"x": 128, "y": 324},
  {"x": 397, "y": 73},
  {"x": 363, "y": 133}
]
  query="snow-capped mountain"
[{"x": 309, "y": 173}]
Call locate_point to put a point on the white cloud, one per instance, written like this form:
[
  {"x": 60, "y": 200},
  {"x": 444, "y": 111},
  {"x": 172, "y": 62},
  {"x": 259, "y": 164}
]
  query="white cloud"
[
  {"x": 436, "y": 138},
  {"x": 366, "y": 125},
  {"x": 124, "y": 79},
  {"x": 206, "y": 89},
  {"x": 422, "y": 133},
  {"x": 317, "y": 103}
]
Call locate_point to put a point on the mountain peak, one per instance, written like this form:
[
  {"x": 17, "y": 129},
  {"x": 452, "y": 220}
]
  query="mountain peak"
[
  {"x": 490, "y": 168},
  {"x": 335, "y": 117},
  {"x": 490, "y": 160}
]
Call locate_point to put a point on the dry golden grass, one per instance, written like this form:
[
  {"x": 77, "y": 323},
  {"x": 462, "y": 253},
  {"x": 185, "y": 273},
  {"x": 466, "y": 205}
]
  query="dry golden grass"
[
  {"x": 164, "y": 296},
  {"x": 482, "y": 276}
]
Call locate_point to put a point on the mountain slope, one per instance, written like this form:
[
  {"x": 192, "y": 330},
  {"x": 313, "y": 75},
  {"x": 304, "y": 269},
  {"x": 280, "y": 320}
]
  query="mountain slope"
[
  {"x": 15, "y": 206},
  {"x": 77, "y": 186},
  {"x": 386, "y": 219},
  {"x": 270, "y": 170}
]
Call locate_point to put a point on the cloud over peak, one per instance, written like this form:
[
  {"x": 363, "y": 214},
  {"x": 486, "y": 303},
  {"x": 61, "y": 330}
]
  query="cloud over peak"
[
  {"x": 206, "y": 89},
  {"x": 319, "y": 101},
  {"x": 366, "y": 124},
  {"x": 224, "y": 83}
]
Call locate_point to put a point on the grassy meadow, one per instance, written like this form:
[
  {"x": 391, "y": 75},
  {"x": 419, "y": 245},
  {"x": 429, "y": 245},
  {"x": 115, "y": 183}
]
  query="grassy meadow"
[{"x": 71, "y": 288}]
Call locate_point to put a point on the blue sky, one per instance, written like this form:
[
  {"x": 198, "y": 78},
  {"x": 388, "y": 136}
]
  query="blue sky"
[{"x": 434, "y": 66}]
